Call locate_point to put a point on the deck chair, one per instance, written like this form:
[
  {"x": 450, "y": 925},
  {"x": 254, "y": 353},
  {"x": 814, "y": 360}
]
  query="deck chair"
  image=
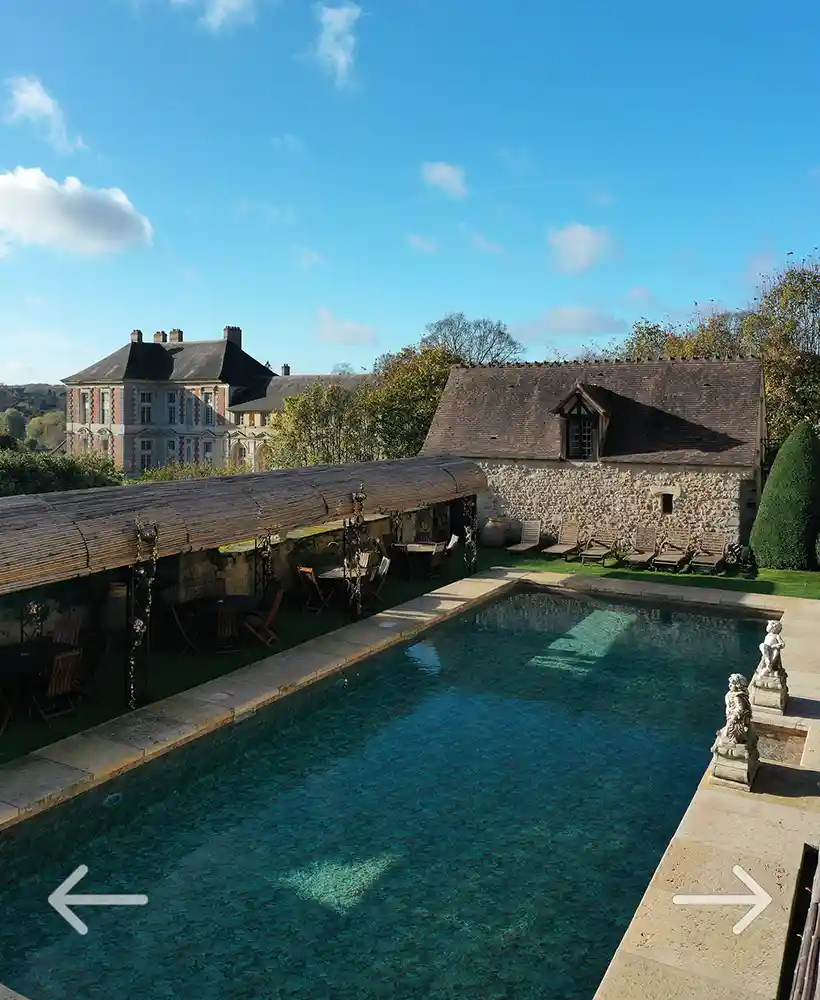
[
  {"x": 568, "y": 542},
  {"x": 530, "y": 537},
  {"x": 600, "y": 545},
  {"x": 711, "y": 552},
  {"x": 645, "y": 548},
  {"x": 55, "y": 697},
  {"x": 674, "y": 553},
  {"x": 260, "y": 624},
  {"x": 316, "y": 599}
]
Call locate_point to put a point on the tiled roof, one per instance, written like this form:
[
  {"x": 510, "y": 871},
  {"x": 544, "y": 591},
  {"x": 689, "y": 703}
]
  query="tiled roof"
[
  {"x": 193, "y": 361},
  {"x": 693, "y": 411},
  {"x": 271, "y": 397}
]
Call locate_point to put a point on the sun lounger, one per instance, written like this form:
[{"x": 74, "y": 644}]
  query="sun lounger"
[
  {"x": 530, "y": 537},
  {"x": 568, "y": 542},
  {"x": 600, "y": 545},
  {"x": 675, "y": 552},
  {"x": 711, "y": 552},
  {"x": 644, "y": 550}
]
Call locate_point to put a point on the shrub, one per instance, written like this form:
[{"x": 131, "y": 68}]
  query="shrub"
[
  {"x": 189, "y": 470},
  {"x": 788, "y": 518},
  {"x": 30, "y": 472}
]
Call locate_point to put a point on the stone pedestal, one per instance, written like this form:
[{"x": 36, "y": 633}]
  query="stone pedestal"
[
  {"x": 735, "y": 764},
  {"x": 771, "y": 695}
]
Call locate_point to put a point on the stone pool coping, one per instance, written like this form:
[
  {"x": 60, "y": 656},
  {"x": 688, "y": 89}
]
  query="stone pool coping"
[{"x": 668, "y": 952}]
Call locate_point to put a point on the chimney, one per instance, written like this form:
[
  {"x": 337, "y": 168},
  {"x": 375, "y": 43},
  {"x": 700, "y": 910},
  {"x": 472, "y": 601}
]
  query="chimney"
[
  {"x": 233, "y": 334},
  {"x": 175, "y": 337},
  {"x": 286, "y": 369},
  {"x": 160, "y": 337},
  {"x": 136, "y": 336}
]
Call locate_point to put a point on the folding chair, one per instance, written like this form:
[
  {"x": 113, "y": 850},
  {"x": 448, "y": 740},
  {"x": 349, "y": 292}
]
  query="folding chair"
[
  {"x": 316, "y": 599},
  {"x": 261, "y": 624}
]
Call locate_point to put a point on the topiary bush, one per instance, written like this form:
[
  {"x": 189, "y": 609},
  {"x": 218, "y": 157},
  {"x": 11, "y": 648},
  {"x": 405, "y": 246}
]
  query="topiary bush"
[{"x": 788, "y": 518}]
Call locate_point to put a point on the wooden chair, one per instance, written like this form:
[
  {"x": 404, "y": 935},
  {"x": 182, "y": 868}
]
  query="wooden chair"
[
  {"x": 600, "y": 545},
  {"x": 674, "y": 553},
  {"x": 569, "y": 541},
  {"x": 530, "y": 537},
  {"x": 260, "y": 624},
  {"x": 55, "y": 697},
  {"x": 376, "y": 583},
  {"x": 67, "y": 630},
  {"x": 645, "y": 548},
  {"x": 227, "y": 629},
  {"x": 710, "y": 554},
  {"x": 316, "y": 599}
]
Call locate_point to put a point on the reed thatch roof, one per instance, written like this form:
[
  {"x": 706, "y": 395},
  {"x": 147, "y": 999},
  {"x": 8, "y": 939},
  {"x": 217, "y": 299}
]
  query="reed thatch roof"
[{"x": 48, "y": 537}]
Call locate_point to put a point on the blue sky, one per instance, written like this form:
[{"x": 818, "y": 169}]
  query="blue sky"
[{"x": 333, "y": 177}]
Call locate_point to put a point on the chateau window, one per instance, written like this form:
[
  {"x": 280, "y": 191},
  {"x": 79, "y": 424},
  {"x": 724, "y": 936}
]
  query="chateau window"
[
  {"x": 173, "y": 410},
  {"x": 105, "y": 406},
  {"x": 170, "y": 449},
  {"x": 667, "y": 503},
  {"x": 146, "y": 454},
  {"x": 582, "y": 432},
  {"x": 208, "y": 451},
  {"x": 85, "y": 407},
  {"x": 146, "y": 399},
  {"x": 105, "y": 446},
  {"x": 208, "y": 407}
]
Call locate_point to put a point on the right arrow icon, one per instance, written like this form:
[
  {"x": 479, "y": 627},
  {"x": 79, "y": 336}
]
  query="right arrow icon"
[{"x": 757, "y": 901}]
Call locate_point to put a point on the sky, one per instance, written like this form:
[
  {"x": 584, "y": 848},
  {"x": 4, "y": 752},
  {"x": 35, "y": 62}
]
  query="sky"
[{"x": 333, "y": 177}]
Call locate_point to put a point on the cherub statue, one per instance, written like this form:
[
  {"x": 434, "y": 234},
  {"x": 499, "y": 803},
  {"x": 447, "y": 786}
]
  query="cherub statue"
[
  {"x": 770, "y": 662},
  {"x": 738, "y": 710}
]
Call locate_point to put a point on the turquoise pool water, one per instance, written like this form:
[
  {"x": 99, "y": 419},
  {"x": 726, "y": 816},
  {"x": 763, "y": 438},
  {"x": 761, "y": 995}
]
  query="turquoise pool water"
[{"x": 469, "y": 817}]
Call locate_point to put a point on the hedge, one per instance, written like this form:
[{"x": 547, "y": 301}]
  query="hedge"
[{"x": 788, "y": 518}]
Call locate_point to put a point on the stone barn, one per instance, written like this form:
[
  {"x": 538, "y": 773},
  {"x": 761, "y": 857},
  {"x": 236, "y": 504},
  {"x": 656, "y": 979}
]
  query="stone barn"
[{"x": 677, "y": 444}]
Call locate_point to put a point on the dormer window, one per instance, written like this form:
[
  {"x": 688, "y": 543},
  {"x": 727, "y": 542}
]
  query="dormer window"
[
  {"x": 584, "y": 420},
  {"x": 582, "y": 427}
]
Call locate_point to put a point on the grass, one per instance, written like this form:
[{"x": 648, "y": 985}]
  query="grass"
[
  {"x": 778, "y": 582},
  {"x": 173, "y": 672}
]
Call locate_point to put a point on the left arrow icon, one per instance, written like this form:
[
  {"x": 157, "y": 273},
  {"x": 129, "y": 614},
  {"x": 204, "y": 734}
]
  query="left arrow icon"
[{"x": 62, "y": 901}]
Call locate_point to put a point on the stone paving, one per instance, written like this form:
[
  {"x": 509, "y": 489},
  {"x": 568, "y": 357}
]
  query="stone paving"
[{"x": 668, "y": 952}]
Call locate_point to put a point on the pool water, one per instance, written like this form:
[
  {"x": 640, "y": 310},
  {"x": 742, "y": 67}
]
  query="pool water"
[{"x": 471, "y": 816}]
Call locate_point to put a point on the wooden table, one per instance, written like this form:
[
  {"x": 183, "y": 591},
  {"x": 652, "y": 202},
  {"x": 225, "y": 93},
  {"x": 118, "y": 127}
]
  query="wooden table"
[{"x": 335, "y": 573}]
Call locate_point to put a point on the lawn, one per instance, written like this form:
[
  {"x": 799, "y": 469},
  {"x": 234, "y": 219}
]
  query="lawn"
[{"x": 780, "y": 582}]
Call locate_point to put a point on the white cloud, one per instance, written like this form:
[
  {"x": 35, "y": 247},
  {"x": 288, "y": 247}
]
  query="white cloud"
[
  {"x": 343, "y": 331},
  {"x": 481, "y": 244},
  {"x": 307, "y": 258},
  {"x": 447, "y": 177},
  {"x": 421, "y": 243},
  {"x": 640, "y": 295},
  {"x": 36, "y": 210},
  {"x": 577, "y": 247},
  {"x": 289, "y": 143},
  {"x": 217, "y": 15},
  {"x": 336, "y": 44},
  {"x": 571, "y": 320},
  {"x": 30, "y": 101}
]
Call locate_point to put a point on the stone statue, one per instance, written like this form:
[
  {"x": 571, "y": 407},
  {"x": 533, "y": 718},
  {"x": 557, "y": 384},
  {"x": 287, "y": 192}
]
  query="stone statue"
[
  {"x": 735, "y": 755},
  {"x": 769, "y": 688},
  {"x": 738, "y": 711},
  {"x": 770, "y": 661}
]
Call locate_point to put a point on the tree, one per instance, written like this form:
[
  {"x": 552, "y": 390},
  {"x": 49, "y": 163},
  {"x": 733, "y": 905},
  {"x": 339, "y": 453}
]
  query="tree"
[
  {"x": 788, "y": 518},
  {"x": 326, "y": 424},
  {"x": 343, "y": 368},
  {"x": 188, "y": 470},
  {"x": 13, "y": 423},
  {"x": 406, "y": 395},
  {"x": 473, "y": 342},
  {"x": 47, "y": 430},
  {"x": 31, "y": 472}
]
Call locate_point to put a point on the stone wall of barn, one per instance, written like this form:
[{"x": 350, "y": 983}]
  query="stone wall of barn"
[{"x": 623, "y": 496}]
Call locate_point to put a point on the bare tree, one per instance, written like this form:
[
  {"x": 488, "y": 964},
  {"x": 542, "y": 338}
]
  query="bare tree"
[{"x": 474, "y": 342}]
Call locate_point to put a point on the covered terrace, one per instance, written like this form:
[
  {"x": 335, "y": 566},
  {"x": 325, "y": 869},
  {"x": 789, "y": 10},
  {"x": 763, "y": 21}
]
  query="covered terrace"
[{"x": 110, "y": 575}]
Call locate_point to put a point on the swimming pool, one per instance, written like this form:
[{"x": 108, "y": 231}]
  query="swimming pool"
[{"x": 472, "y": 815}]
